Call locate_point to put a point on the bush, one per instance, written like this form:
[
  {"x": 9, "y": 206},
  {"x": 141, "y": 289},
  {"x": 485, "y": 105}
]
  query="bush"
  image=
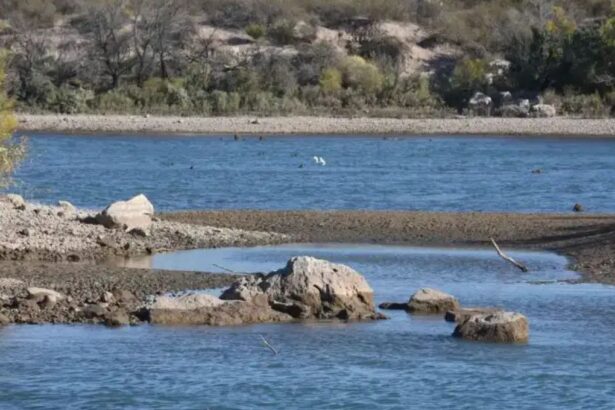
[
  {"x": 283, "y": 32},
  {"x": 330, "y": 81},
  {"x": 361, "y": 75},
  {"x": 256, "y": 31},
  {"x": 586, "y": 106},
  {"x": 67, "y": 100},
  {"x": 225, "y": 103},
  {"x": 114, "y": 101}
]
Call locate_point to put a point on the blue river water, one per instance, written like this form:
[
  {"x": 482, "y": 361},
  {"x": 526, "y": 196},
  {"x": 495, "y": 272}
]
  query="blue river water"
[
  {"x": 405, "y": 362},
  {"x": 437, "y": 174}
]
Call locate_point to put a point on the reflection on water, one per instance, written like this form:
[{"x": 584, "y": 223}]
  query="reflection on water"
[{"x": 408, "y": 361}]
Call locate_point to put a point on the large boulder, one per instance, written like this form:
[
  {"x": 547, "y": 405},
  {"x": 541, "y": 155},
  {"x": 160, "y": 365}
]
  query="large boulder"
[
  {"x": 503, "y": 327},
  {"x": 432, "y": 301},
  {"x": 543, "y": 111},
  {"x": 136, "y": 213},
  {"x": 4, "y": 320},
  {"x": 185, "y": 302},
  {"x": 309, "y": 288}
]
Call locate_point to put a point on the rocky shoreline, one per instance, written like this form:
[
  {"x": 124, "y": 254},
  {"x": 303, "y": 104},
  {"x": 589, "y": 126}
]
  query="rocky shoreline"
[
  {"x": 34, "y": 232},
  {"x": 59, "y": 249},
  {"x": 490, "y": 126}
]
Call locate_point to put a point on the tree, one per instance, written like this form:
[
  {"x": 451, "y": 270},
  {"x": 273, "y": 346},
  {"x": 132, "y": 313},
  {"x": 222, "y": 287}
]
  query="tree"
[
  {"x": 110, "y": 39},
  {"x": 170, "y": 27},
  {"x": 10, "y": 151}
]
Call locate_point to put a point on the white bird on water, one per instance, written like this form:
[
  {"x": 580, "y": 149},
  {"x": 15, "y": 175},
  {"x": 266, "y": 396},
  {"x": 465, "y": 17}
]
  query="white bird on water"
[{"x": 319, "y": 160}]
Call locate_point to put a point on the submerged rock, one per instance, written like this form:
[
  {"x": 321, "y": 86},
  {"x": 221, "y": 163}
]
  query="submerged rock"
[
  {"x": 502, "y": 327},
  {"x": 428, "y": 300},
  {"x": 310, "y": 288},
  {"x": 393, "y": 306},
  {"x": 226, "y": 313},
  {"x": 136, "y": 213},
  {"x": 462, "y": 314}
]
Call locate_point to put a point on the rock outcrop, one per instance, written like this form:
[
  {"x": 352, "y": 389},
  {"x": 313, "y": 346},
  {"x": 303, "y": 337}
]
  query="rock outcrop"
[
  {"x": 136, "y": 213},
  {"x": 502, "y": 327},
  {"x": 309, "y": 288},
  {"x": 432, "y": 301}
]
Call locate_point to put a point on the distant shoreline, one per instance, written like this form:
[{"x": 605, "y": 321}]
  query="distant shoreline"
[{"x": 304, "y": 125}]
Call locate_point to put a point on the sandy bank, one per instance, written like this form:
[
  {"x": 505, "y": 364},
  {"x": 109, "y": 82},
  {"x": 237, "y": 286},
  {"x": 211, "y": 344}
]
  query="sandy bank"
[
  {"x": 588, "y": 239},
  {"x": 316, "y": 125}
]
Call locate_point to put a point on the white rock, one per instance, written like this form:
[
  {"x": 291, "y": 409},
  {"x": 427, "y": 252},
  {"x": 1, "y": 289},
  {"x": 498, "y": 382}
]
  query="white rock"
[
  {"x": 51, "y": 294},
  {"x": 67, "y": 207},
  {"x": 544, "y": 111},
  {"x": 137, "y": 212},
  {"x": 17, "y": 201}
]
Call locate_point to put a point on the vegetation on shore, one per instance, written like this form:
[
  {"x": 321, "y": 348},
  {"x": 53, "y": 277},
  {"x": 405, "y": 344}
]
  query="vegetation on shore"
[
  {"x": 367, "y": 57},
  {"x": 10, "y": 152}
]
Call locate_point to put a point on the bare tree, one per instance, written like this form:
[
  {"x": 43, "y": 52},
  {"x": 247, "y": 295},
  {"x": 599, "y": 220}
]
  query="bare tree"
[
  {"x": 170, "y": 27},
  {"x": 110, "y": 35},
  {"x": 143, "y": 18}
]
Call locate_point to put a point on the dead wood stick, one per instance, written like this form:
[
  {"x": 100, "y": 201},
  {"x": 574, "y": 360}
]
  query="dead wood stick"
[
  {"x": 223, "y": 268},
  {"x": 266, "y": 343},
  {"x": 508, "y": 258}
]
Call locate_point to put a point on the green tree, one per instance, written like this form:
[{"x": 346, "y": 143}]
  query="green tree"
[{"x": 10, "y": 152}]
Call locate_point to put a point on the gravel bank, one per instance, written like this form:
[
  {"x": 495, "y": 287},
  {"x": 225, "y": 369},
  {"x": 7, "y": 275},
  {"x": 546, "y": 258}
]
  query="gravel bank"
[
  {"x": 316, "y": 125},
  {"x": 589, "y": 240},
  {"x": 47, "y": 233}
]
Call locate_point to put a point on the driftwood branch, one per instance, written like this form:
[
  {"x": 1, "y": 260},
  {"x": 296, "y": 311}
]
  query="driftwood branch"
[
  {"x": 266, "y": 343},
  {"x": 508, "y": 258},
  {"x": 223, "y": 268}
]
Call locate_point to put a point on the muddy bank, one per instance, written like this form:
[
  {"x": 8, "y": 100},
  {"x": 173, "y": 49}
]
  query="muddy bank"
[
  {"x": 558, "y": 126},
  {"x": 589, "y": 240}
]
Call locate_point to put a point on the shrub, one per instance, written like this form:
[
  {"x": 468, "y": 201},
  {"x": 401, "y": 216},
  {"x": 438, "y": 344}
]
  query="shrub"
[
  {"x": 67, "y": 100},
  {"x": 282, "y": 32},
  {"x": 225, "y": 103},
  {"x": 114, "y": 101},
  {"x": 330, "y": 81},
  {"x": 584, "y": 105},
  {"x": 256, "y": 31},
  {"x": 361, "y": 75}
]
